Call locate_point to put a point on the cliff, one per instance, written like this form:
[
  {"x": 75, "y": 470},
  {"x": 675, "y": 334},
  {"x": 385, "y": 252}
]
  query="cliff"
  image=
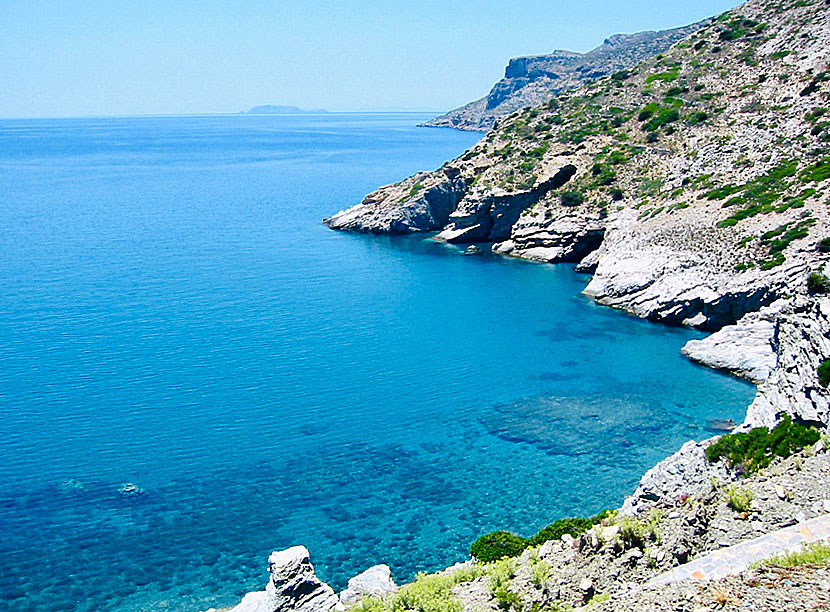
[{"x": 531, "y": 81}]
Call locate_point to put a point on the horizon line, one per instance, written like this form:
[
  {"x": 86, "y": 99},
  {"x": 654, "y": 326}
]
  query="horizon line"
[{"x": 317, "y": 112}]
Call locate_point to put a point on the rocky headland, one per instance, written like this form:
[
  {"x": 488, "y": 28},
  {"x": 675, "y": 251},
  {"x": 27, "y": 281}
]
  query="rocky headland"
[
  {"x": 533, "y": 80},
  {"x": 693, "y": 188}
]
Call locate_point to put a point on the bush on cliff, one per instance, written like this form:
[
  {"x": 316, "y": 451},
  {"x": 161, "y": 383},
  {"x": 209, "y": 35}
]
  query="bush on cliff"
[
  {"x": 818, "y": 283},
  {"x": 572, "y": 526},
  {"x": 571, "y": 198},
  {"x": 824, "y": 373},
  {"x": 500, "y": 544},
  {"x": 757, "y": 448},
  {"x": 497, "y": 545}
]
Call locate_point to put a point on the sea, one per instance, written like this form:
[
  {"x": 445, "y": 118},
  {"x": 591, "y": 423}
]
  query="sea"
[{"x": 195, "y": 371}]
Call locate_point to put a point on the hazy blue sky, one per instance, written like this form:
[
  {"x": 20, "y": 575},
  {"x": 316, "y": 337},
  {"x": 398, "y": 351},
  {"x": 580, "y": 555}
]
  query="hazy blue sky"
[{"x": 89, "y": 57}]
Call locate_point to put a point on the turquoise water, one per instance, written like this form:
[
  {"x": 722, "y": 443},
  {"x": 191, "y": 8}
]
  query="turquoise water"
[{"x": 173, "y": 314}]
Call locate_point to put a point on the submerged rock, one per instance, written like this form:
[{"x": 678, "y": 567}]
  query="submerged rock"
[
  {"x": 130, "y": 489},
  {"x": 293, "y": 586}
]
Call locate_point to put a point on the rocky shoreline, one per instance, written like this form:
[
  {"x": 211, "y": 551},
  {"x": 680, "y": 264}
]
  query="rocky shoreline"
[{"x": 693, "y": 187}]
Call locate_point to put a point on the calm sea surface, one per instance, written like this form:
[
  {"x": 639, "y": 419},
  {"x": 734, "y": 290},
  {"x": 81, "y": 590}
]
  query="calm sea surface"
[{"x": 174, "y": 315}]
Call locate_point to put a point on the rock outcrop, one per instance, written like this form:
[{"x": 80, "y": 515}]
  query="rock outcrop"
[
  {"x": 375, "y": 581},
  {"x": 292, "y": 587},
  {"x": 746, "y": 349},
  {"x": 803, "y": 343},
  {"x": 421, "y": 203},
  {"x": 533, "y": 80}
]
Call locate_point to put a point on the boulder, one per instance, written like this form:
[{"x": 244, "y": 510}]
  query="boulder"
[
  {"x": 376, "y": 580},
  {"x": 292, "y": 587}
]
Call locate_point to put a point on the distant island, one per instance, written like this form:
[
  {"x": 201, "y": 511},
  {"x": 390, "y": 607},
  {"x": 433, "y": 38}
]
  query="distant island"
[{"x": 278, "y": 109}]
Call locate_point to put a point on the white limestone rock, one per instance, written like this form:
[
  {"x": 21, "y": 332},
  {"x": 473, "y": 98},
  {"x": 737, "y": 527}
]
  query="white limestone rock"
[
  {"x": 746, "y": 349},
  {"x": 292, "y": 587},
  {"x": 375, "y": 581},
  {"x": 793, "y": 387},
  {"x": 686, "y": 472}
]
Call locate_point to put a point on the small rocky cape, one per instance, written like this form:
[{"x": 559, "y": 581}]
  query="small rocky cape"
[
  {"x": 694, "y": 188},
  {"x": 530, "y": 81}
]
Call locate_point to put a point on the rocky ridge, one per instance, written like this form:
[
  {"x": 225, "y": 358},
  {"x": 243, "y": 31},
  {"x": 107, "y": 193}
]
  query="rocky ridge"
[{"x": 533, "y": 80}]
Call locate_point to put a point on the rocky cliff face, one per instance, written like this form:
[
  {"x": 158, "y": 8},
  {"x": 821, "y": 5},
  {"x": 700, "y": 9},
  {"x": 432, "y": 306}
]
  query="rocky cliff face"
[
  {"x": 693, "y": 186},
  {"x": 531, "y": 81}
]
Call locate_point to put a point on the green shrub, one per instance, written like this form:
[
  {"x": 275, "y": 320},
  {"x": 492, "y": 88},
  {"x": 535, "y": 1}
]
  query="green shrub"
[
  {"x": 824, "y": 245},
  {"x": 497, "y": 545},
  {"x": 756, "y": 449},
  {"x": 817, "y": 172},
  {"x": 696, "y": 118},
  {"x": 638, "y": 531},
  {"x": 573, "y": 526},
  {"x": 499, "y": 576},
  {"x": 538, "y": 152},
  {"x": 663, "y": 117},
  {"x": 739, "y": 498},
  {"x": 824, "y": 373},
  {"x": 818, "y": 283},
  {"x": 571, "y": 198}
]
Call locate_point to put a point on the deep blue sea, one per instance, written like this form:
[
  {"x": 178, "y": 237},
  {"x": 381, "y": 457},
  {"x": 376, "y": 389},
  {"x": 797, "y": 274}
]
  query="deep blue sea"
[{"x": 173, "y": 314}]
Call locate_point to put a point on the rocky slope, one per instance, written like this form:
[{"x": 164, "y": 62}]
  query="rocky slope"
[
  {"x": 533, "y": 80},
  {"x": 613, "y": 566}
]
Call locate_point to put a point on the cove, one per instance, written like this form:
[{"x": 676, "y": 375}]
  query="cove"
[{"x": 174, "y": 315}]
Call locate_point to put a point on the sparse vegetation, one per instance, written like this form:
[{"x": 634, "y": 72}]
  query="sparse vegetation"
[
  {"x": 637, "y": 532},
  {"x": 817, "y": 553},
  {"x": 428, "y": 593},
  {"x": 739, "y": 498}
]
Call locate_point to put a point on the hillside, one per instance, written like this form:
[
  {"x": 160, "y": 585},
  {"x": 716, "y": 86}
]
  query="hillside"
[{"x": 531, "y": 81}]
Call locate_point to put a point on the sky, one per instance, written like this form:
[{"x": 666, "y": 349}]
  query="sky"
[{"x": 114, "y": 57}]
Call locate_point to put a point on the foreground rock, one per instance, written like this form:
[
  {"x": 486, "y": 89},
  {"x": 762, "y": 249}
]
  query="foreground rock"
[
  {"x": 293, "y": 586},
  {"x": 375, "y": 582}
]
